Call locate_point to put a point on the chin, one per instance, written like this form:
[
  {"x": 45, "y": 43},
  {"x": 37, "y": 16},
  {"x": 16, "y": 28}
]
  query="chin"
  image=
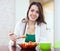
[{"x": 33, "y": 20}]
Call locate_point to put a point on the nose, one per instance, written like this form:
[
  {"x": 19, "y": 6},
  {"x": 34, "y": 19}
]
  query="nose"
[{"x": 34, "y": 13}]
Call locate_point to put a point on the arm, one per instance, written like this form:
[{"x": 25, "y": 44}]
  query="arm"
[
  {"x": 43, "y": 33},
  {"x": 16, "y": 34}
]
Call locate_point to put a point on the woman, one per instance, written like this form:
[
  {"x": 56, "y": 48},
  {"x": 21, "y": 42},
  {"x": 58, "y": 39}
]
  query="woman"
[{"x": 34, "y": 26}]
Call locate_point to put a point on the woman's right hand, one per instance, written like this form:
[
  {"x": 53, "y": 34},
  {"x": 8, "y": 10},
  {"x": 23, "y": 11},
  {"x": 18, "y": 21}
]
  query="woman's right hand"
[
  {"x": 23, "y": 36},
  {"x": 13, "y": 37}
]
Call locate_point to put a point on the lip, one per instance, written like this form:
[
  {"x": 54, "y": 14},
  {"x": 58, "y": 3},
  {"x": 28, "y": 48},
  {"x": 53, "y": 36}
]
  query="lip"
[{"x": 33, "y": 17}]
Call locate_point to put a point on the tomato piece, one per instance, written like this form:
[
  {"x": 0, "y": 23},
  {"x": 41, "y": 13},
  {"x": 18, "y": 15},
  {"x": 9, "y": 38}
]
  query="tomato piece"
[{"x": 23, "y": 36}]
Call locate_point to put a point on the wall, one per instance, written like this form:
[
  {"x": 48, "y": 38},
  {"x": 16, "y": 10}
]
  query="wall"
[
  {"x": 21, "y": 9},
  {"x": 11, "y": 11},
  {"x": 7, "y": 20},
  {"x": 57, "y": 20}
]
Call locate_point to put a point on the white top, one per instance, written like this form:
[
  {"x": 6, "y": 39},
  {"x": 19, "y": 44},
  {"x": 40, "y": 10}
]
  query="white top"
[{"x": 40, "y": 32}]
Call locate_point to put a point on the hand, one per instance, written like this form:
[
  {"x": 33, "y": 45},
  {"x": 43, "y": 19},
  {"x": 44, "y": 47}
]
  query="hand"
[
  {"x": 23, "y": 36},
  {"x": 13, "y": 36}
]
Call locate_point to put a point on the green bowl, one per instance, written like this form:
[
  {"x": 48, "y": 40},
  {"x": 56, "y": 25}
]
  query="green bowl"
[{"x": 45, "y": 46}]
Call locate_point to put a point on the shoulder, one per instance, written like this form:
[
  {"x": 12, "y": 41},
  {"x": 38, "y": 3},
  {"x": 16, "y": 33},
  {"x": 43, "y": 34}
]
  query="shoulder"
[
  {"x": 22, "y": 21},
  {"x": 43, "y": 26}
]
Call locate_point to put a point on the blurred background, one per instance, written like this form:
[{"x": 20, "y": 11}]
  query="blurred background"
[{"x": 11, "y": 11}]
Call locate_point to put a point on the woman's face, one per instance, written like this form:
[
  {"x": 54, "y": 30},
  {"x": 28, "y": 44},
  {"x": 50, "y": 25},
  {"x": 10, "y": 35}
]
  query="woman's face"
[{"x": 33, "y": 13}]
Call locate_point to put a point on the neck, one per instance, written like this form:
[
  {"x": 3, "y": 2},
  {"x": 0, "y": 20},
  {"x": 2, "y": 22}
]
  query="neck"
[{"x": 31, "y": 22}]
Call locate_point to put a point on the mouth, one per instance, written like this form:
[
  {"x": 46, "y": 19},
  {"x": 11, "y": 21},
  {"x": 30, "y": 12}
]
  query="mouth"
[{"x": 33, "y": 17}]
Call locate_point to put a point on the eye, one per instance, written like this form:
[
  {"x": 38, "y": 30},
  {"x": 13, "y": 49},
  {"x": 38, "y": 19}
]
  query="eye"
[
  {"x": 32, "y": 10},
  {"x": 37, "y": 12}
]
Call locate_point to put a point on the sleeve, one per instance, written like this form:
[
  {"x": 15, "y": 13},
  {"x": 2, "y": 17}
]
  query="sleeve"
[
  {"x": 19, "y": 28},
  {"x": 43, "y": 29},
  {"x": 18, "y": 31},
  {"x": 44, "y": 33}
]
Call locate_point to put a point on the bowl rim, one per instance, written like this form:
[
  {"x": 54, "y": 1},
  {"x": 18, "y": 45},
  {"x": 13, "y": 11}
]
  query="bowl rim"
[{"x": 27, "y": 46}]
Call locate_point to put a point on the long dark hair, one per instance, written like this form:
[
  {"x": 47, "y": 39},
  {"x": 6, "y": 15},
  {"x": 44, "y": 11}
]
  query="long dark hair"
[{"x": 40, "y": 19}]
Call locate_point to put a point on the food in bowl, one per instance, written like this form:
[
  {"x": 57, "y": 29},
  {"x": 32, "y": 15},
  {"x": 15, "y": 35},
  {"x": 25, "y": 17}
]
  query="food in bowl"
[{"x": 28, "y": 45}]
